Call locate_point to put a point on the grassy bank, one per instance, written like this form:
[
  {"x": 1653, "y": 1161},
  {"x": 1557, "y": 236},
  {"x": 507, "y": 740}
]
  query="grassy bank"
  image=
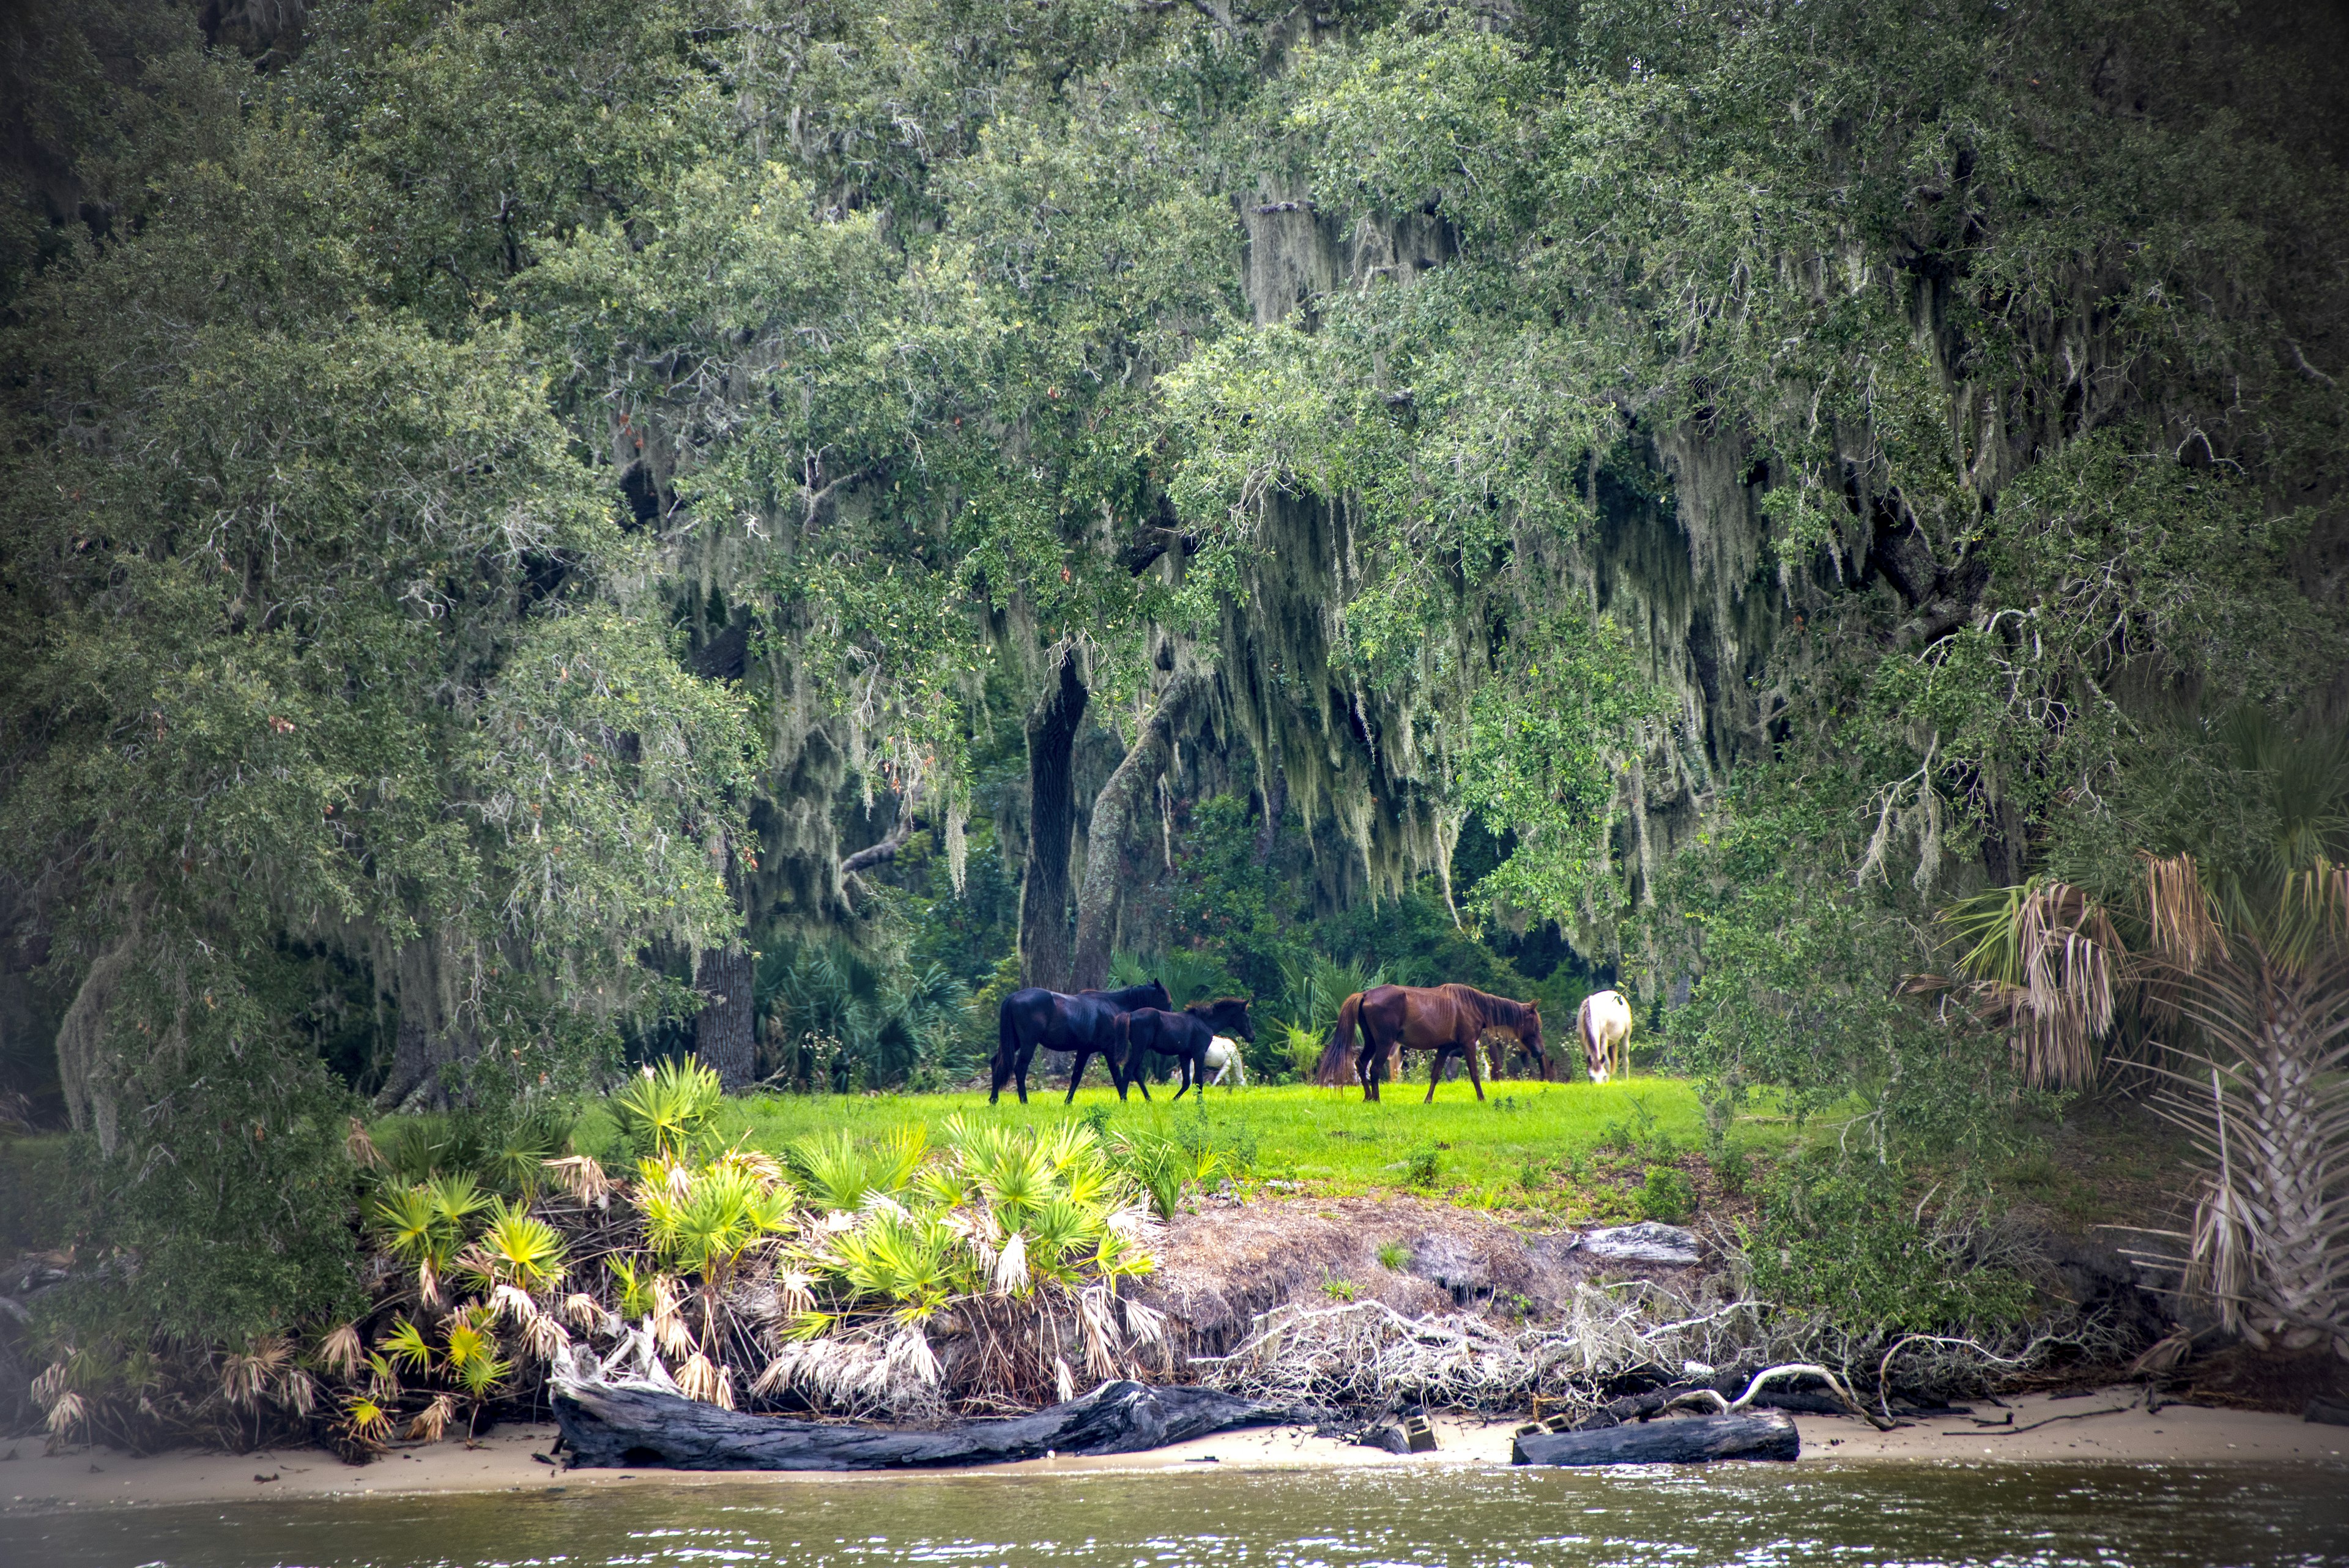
[{"x": 1576, "y": 1150}]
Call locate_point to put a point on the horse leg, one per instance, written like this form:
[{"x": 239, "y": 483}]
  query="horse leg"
[
  {"x": 1027, "y": 1055},
  {"x": 1436, "y": 1073},
  {"x": 1184, "y": 1087},
  {"x": 1474, "y": 1077},
  {"x": 1084, "y": 1054}
]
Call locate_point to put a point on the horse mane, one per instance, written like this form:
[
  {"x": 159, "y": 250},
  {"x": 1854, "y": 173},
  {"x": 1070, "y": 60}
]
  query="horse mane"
[{"x": 1491, "y": 1012}]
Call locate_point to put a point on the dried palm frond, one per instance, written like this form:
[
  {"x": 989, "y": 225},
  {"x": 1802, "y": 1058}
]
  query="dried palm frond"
[
  {"x": 857, "y": 1371},
  {"x": 245, "y": 1377},
  {"x": 432, "y": 1420},
  {"x": 794, "y": 1291},
  {"x": 2042, "y": 959},
  {"x": 297, "y": 1391},
  {"x": 667, "y": 1324},
  {"x": 341, "y": 1351},
  {"x": 581, "y": 1176},
  {"x": 542, "y": 1336},
  {"x": 2163, "y": 1354},
  {"x": 1011, "y": 1265},
  {"x": 2180, "y": 911},
  {"x": 910, "y": 1358},
  {"x": 701, "y": 1378},
  {"x": 65, "y": 1413},
  {"x": 512, "y": 1305},
  {"x": 361, "y": 1147},
  {"x": 586, "y": 1311},
  {"x": 1063, "y": 1380},
  {"x": 1146, "y": 1325},
  {"x": 1099, "y": 1327}
]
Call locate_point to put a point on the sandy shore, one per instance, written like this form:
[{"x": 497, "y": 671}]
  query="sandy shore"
[{"x": 2106, "y": 1425}]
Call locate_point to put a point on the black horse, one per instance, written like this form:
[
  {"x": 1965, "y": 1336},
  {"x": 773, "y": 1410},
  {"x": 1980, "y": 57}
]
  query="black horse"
[
  {"x": 1184, "y": 1035},
  {"x": 1036, "y": 1017}
]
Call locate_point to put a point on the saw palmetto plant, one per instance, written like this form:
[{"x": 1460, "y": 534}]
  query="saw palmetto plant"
[
  {"x": 2041, "y": 960},
  {"x": 665, "y": 1110},
  {"x": 703, "y": 1226},
  {"x": 2239, "y": 950},
  {"x": 995, "y": 1267}
]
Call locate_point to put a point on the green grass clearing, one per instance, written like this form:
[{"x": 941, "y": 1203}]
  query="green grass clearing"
[{"x": 1581, "y": 1150}]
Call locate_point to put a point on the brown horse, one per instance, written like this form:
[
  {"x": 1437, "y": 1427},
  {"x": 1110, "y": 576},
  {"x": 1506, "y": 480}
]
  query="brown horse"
[{"x": 1448, "y": 1020}]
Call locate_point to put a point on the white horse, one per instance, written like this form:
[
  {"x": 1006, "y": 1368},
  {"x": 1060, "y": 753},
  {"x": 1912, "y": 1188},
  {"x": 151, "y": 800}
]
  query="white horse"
[
  {"x": 1223, "y": 1056},
  {"x": 1605, "y": 1023}
]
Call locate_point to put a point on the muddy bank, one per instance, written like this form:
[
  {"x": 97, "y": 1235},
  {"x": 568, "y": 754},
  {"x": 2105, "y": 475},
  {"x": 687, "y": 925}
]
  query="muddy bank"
[{"x": 1221, "y": 1267}]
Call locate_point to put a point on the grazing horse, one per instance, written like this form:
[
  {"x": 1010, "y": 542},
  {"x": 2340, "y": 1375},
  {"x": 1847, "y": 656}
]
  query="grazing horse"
[
  {"x": 1189, "y": 1035},
  {"x": 1223, "y": 1056},
  {"x": 1497, "y": 1052},
  {"x": 1035, "y": 1017},
  {"x": 1605, "y": 1023},
  {"x": 1448, "y": 1020}
]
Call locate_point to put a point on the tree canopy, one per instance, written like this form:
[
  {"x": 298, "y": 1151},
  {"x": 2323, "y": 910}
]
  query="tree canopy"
[{"x": 519, "y": 508}]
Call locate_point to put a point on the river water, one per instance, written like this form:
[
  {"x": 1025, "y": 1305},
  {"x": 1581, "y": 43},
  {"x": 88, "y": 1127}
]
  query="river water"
[{"x": 1748, "y": 1515}]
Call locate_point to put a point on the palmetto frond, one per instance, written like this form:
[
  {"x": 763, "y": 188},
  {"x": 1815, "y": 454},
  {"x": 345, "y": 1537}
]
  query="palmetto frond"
[
  {"x": 517, "y": 1248},
  {"x": 2042, "y": 959},
  {"x": 366, "y": 1419},
  {"x": 432, "y": 1420},
  {"x": 668, "y": 1108}
]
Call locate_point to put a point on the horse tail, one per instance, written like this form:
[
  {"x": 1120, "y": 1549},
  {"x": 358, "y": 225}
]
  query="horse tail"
[
  {"x": 1007, "y": 1040},
  {"x": 1337, "y": 1057}
]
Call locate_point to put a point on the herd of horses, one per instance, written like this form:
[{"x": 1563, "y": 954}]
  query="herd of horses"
[{"x": 1126, "y": 1027}]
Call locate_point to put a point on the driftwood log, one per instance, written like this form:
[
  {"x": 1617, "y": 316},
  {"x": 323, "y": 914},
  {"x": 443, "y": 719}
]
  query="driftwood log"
[
  {"x": 629, "y": 1426},
  {"x": 1688, "y": 1439}
]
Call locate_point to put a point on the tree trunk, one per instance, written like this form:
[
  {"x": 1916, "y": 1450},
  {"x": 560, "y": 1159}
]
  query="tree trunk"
[
  {"x": 1687, "y": 1440},
  {"x": 1113, "y": 810},
  {"x": 1051, "y": 826},
  {"x": 82, "y": 1064},
  {"x": 429, "y": 1040},
  {"x": 721, "y": 1035}
]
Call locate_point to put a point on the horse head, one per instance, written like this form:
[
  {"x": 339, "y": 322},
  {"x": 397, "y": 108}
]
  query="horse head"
[
  {"x": 1224, "y": 1015},
  {"x": 1604, "y": 1022},
  {"x": 1529, "y": 1036}
]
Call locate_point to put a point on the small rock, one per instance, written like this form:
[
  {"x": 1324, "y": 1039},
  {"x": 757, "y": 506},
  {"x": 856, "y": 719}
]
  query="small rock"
[
  {"x": 1387, "y": 1434},
  {"x": 1646, "y": 1243},
  {"x": 270, "y": 1477}
]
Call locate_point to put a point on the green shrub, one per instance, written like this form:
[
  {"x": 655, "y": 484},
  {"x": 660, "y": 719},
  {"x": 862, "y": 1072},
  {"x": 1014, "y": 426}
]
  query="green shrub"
[
  {"x": 1851, "y": 1245},
  {"x": 1424, "y": 1165},
  {"x": 1667, "y": 1195},
  {"x": 1394, "y": 1256},
  {"x": 1733, "y": 1171}
]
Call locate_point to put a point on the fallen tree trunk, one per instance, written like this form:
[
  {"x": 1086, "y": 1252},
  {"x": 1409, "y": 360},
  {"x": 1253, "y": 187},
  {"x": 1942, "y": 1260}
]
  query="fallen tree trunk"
[
  {"x": 1690, "y": 1439},
  {"x": 632, "y": 1427}
]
